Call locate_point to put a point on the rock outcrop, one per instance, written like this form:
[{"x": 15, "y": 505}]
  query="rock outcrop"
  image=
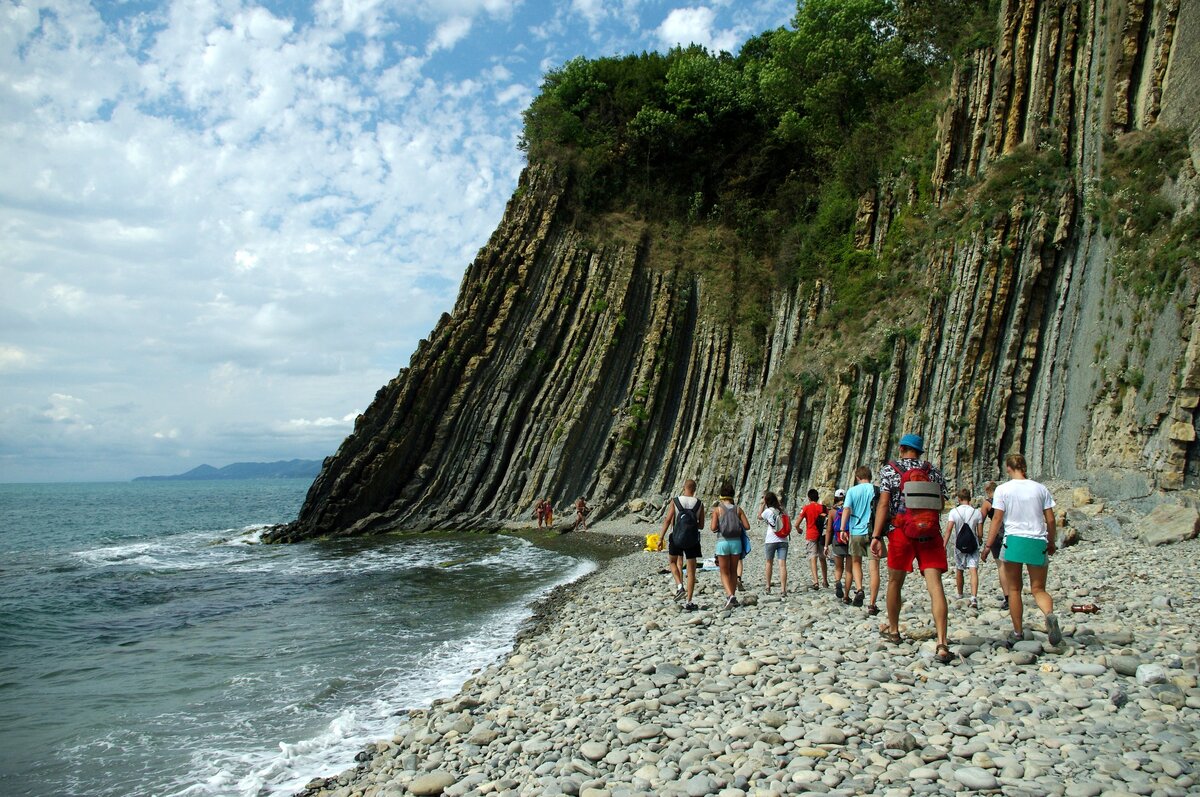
[{"x": 578, "y": 362}]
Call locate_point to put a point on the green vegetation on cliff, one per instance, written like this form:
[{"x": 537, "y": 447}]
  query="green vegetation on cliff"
[{"x": 747, "y": 169}]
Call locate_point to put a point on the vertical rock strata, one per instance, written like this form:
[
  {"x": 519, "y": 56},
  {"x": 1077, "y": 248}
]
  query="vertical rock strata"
[{"x": 576, "y": 364}]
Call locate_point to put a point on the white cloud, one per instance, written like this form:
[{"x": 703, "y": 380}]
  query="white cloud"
[
  {"x": 449, "y": 33},
  {"x": 65, "y": 410},
  {"x": 13, "y": 358},
  {"x": 695, "y": 25},
  {"x": 217, "y": 215}
]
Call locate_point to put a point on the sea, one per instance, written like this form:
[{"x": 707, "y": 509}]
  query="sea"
[{"x": 151, "y": 645}]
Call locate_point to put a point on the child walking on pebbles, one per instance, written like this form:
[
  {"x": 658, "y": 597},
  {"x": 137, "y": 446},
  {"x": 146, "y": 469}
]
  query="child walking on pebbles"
[{"x": 1025, "y": 509}]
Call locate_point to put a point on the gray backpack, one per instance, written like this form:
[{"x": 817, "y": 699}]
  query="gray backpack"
[{"x": 729, "y": 524}]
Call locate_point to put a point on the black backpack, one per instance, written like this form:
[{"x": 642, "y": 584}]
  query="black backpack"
[
  {"x": 965, "y": 541},
  {"x": 687, "y": 526}
]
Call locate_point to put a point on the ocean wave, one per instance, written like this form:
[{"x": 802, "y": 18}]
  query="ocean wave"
[{"x": 436, "y": 674}]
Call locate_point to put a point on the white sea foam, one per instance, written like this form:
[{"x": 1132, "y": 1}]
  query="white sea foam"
[{"x": 438, "y": 673}]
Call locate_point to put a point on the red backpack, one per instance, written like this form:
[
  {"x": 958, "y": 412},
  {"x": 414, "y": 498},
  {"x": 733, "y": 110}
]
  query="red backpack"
[
  {"x": 923, "y": 503},
  {"x": 785, "y": 525}
]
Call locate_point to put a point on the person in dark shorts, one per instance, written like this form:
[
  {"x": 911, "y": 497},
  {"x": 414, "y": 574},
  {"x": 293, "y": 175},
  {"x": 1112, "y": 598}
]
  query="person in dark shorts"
[
  {"x": 910, "y": 490},
  {"x": 684, "y": 518}
]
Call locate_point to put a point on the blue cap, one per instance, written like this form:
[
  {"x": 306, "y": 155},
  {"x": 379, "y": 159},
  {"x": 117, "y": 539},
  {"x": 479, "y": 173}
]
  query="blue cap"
[{"x": 914, "y": 442}]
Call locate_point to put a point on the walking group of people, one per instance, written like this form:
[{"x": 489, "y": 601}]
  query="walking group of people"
[{"x": 898, "y": 521}]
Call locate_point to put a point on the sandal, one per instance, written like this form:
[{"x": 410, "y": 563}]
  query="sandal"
[
  {"x": 890, "y": 636},
  {"x": 944, "y": 655}
]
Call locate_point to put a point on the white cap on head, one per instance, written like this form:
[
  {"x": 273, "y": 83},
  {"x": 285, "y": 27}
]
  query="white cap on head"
[{"x": 839, "y": 493}]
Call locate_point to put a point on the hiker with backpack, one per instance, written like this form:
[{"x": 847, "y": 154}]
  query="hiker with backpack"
[
  {"x": 856, "y": 516},
  {"x": 683, "y": 521},
  {"x": 912, "y": 495},
  {"x": 814, "y": 532},
  {"x": 963, "y": 525},
  {"x": 1025, "y": 509},
  {"x": 730, "y": 524},
  {"x": 837, "y": 541},
  {"x": 775, "y": 544}
]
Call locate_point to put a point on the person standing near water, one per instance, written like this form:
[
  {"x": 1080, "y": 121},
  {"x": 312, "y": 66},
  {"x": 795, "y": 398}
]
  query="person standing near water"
[
  {"x": 1025, "y": 509},
  {"x": 581, "y": 513},
  {"x": 729, "y": 523},
  {"x": 683, "y": 521}
]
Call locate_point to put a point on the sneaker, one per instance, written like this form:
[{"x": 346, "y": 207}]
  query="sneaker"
[
  {"x": 741, "y": 587},
  {"x": 958, "y": 596},
  {"x": 1004, "y": 603},
  {"x": 679, "y": 591},
  {"x": 1053, "y": 630},
  {"x": 838, "y": 589},
  {"x": 731, "y": 601},
  {"x": 858, "y": 598},
  {"x": 690, "y": 607},
  {"x": 974, "y": 602},
  {"x": 872, "y": 610},
  {"x": 1013, "y": 638},
  {"x": 814, "y": 588}
]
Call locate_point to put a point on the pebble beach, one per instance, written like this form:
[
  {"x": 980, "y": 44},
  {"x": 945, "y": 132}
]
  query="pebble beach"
[{"x": 615, "y": 690}]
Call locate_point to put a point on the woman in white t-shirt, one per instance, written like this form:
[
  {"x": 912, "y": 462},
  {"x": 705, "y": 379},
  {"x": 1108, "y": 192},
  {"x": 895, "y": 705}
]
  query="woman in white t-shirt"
[
  {"x": 1026, "y": 511},
  {"x": 776, "y": 547}
]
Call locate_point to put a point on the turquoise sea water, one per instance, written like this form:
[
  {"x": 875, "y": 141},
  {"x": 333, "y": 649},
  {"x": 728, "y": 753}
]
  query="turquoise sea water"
[{"x": 149, "y": 646}]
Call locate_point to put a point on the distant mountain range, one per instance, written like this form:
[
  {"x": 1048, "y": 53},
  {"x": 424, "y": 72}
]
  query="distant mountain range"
[{"x": 283, "y": 469}]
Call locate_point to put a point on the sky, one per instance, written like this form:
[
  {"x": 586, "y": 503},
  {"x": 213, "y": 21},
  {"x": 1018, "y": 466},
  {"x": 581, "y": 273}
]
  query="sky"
[{"x": 225, "y": 225}]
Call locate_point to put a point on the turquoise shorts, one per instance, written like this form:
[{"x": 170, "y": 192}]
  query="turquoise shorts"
[
  {"x": 1023, "y": 550},
  {"x": 729, "y": 547}
]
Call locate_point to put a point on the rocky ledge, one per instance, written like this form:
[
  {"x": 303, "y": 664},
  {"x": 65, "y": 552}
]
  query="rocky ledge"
[{"x": 622, "y": 693}]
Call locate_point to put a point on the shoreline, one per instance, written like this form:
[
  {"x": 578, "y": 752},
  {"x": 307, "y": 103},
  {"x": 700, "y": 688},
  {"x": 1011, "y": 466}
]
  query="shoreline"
[
  {"x": 611, "y": 689},
  {"x": 601, "y": 546}
]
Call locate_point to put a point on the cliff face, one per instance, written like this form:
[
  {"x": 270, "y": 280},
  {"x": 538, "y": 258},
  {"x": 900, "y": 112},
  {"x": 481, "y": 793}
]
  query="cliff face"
[{"x": 596, "y": 364}]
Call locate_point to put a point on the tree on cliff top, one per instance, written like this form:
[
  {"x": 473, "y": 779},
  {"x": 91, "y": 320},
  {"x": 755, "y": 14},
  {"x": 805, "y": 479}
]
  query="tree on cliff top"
[{"x": 657, "y": 131}]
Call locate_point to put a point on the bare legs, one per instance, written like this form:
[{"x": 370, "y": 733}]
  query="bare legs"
[
  {"x": 1037, "y": 585},
  {"x": 937, "y": 600},
  {"x": 676, "y": 565},
  {"x": 728, "y": 567},
  {"x": 937, "y": 597},
  {"x": 874, "y": 568}
]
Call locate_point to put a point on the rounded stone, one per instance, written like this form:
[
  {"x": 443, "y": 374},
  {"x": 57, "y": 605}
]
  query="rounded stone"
[
  {"x": 593, "y": 751},
  {"x": 976, "y": 778},
  {"x": 431, "y": 784},
  {"x": 748, "y": 667}
]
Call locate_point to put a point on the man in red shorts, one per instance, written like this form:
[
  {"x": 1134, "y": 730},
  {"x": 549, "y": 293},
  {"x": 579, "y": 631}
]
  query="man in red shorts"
[{"x": 912, "y": 493}]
